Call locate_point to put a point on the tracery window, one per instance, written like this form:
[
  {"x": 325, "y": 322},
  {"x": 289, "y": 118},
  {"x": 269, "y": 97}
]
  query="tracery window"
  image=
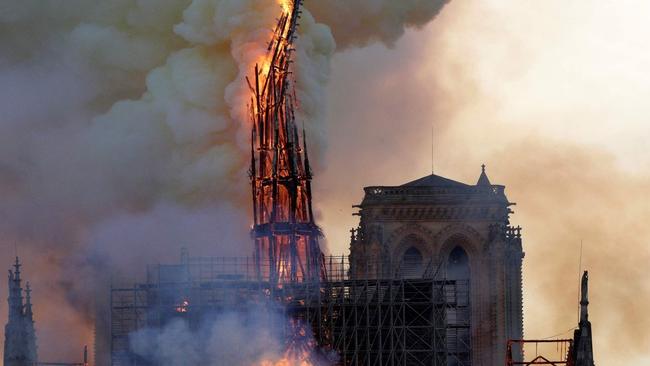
[
  {"x": 458, "y": 310},
  {"x": 412, "y": 263}
]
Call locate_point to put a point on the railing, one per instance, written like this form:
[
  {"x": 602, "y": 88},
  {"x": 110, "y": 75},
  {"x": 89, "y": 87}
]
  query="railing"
[
  {"x": 374, "y": 191},
  {"x": 333, "y": 268},
  {"x": 559, "y": 348}
]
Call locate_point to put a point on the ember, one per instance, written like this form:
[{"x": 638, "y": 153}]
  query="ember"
[{"x": 183, "y": 307}]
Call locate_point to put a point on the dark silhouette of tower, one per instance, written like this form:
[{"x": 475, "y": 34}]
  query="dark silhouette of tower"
[
  {"x": 465, "y": 231},
  {"x": 20, "y": 335},
  {"x": 582, "y": 350},
  {"x": 285, "y": 234}
]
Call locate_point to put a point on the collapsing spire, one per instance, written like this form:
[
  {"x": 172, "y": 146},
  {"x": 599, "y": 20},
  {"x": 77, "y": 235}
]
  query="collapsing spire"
[{"x": 285, "y": 234}]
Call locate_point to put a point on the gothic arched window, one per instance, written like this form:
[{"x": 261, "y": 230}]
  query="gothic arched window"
[
  {"x": 458, "y": 316},
  {"x": 458, "y": 265},
  {"x": 412, "y": 263}
]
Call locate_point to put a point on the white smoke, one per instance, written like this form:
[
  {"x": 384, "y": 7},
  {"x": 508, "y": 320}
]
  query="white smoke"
[
  {"x": 244, "y": 338},
  {"x": 117, "y": 115}
]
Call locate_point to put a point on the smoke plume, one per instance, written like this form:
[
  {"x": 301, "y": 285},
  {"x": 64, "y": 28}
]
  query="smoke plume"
[
  {"x": 239, "y": 339},
  {"x": 124, "y": 135},
  {"x": 358, "y": 23},
  {"x": 551, "y": 96}
]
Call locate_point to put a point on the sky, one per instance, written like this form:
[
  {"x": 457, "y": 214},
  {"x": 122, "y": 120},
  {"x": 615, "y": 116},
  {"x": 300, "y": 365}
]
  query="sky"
[
  {"x": 551, "y": 96},
  {"x": 121, "y": 141}
]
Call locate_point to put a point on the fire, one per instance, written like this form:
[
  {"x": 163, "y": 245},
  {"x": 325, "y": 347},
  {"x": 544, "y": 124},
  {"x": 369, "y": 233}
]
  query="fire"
[
  {"x": 263, "y": 61},
  {"x": 286, "y": 236},
  {"x": 286, "y": 5},
  {"x": 286, "y": 362},
  {"x": 290, "y": 359},
  {"x": 299, "y": 348},
  {"x": 183, "y": 307}
]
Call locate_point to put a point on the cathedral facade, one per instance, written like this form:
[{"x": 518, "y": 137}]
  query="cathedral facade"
[{"x": 442, "y": 228}]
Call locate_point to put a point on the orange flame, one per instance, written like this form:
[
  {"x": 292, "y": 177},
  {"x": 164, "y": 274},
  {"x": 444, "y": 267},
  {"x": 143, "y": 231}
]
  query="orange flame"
[
  {"x": 299, "y": 350},
  {"x": 289, "y": 361},
  {"x": 286, "y": 5},
  {"x": 263, "y": 61},
  {"x": 286, "y": 362}
]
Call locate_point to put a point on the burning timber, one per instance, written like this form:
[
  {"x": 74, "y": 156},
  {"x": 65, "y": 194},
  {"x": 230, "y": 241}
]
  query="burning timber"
[
  {"x": 365, "y": 316},
  {"x": 433, "y": 276},
  {"x": 284, "y": 229}
]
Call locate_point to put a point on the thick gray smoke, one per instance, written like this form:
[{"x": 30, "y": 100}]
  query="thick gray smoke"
[
  {"x": 234, "y": 338},
  {"x": 123, "y": 133},
  {"x": 358, "y": 23}
]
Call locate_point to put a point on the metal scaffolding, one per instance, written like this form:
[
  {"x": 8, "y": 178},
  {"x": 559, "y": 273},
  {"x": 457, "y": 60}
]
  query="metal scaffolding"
[
  {"x": 366, "y": 321},
  {"x": 560, "y": 347}
]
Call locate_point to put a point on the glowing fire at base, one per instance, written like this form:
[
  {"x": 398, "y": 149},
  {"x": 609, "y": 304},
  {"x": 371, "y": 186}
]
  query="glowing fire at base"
[
  {"x": 286, "y": 362},
  {"x": 300, "y": 348}
]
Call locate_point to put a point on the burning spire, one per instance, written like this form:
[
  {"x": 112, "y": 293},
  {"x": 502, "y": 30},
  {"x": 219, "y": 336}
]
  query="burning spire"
[{"x": 285, "y": 234}]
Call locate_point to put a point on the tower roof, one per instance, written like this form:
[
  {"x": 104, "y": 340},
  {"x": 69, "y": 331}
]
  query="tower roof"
[
  {"x": 483, "y": 180},
  {"x": 434, "y": 189},
  {"x": 434, "y": 181}
]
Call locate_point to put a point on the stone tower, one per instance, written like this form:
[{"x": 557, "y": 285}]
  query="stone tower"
[
  {"x": 456, "y": 231},
  {"x": 20, "y": 335}
]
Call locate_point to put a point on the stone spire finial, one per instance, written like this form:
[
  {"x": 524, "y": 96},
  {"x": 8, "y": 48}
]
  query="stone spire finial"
[
  {"x": 483, "y": 180},
  {"x": 29, "y": 314},
  {"x": 17, "y": 266},
  {"x": 584, "y": 298},
  {"x": 582, "y": 350},
  {"x": 15, "y": 299}
]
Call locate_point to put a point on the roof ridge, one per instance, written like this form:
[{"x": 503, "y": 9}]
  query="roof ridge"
[{"x": 434, "y": 180}]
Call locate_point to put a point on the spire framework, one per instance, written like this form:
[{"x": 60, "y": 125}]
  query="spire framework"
[{"x": 285, "y": 234}]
